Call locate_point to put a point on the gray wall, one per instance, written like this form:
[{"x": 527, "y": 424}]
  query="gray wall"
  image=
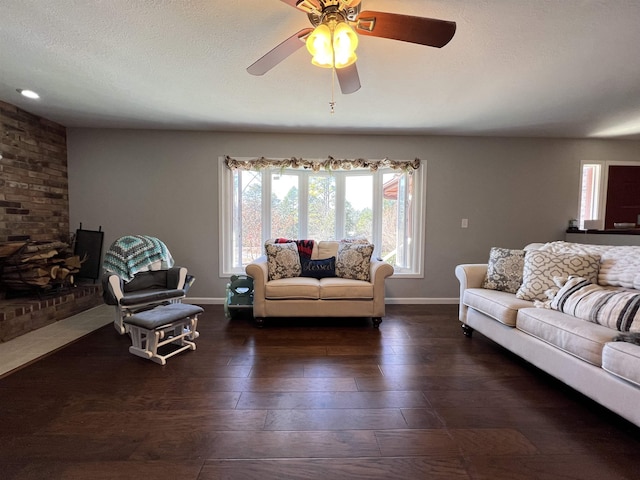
[{"x": 165, "y": 184}]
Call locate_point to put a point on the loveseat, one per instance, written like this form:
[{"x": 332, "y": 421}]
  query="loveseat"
[
  {"x": 318, "y": 279},
  {"x": 569, "y": 309}
]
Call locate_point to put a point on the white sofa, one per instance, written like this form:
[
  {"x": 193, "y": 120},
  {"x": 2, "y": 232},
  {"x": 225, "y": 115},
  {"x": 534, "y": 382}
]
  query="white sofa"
[
  {"x": 578, "y": 352},
  {"x": 319, "y": 297}
]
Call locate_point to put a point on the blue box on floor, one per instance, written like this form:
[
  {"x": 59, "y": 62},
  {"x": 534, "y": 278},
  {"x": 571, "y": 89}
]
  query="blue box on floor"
[{"x": 239, "y": 295}]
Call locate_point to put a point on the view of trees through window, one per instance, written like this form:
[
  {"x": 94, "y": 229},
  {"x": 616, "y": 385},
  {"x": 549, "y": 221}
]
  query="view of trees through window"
[{"x": 323, "y": 206}]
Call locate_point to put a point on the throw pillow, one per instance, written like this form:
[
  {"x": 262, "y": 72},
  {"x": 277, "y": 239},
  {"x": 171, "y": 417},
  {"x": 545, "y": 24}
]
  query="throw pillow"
[
  {"x": 504, "y": 270},
  {"x": 305, "y": 247},
  {"x": 319, "y": 268},
  {"x": 283, "y": 260},
  {"x": 354, "y": 261},
  {"x": 540, "y": 267},
  {"x": 615, "y": 309}
]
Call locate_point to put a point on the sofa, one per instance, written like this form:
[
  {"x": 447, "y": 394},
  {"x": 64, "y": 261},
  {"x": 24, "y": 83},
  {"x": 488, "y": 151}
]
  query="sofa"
[
  {"x": 304, "y": 278},
  {"x": 570, "y": 309}
]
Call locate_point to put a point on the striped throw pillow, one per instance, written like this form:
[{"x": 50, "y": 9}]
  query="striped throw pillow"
[{"x": 616, "y": 309}]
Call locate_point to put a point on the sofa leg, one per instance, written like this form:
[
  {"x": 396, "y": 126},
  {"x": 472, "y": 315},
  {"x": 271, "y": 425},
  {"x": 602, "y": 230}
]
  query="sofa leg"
[
  {"x": 467, "y": 331},
  {"x": 376, "y": 321},
  {"x": 259, "y": 322}
]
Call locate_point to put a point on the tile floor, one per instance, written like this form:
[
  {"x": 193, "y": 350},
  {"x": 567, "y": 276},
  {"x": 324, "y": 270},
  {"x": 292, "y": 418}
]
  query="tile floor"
[{"x": 33, "y": 345}]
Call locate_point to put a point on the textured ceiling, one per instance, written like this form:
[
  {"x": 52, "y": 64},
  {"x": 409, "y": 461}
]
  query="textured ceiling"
[{"x": 561, "y": 68}]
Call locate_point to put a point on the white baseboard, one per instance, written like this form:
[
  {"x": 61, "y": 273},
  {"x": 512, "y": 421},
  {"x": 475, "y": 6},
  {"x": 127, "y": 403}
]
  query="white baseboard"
[{"x": 388, "y": 301}]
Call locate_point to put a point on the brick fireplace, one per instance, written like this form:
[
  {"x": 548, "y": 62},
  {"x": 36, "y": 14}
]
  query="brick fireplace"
[{"x": 34, "y": 206}]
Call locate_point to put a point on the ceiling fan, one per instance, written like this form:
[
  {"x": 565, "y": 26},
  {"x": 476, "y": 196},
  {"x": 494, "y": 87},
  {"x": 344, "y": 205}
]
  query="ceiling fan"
[{"x": 332, "y": 40}]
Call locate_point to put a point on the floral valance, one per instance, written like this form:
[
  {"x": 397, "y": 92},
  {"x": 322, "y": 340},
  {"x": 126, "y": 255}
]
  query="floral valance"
[{"x": 316, "y": 165}]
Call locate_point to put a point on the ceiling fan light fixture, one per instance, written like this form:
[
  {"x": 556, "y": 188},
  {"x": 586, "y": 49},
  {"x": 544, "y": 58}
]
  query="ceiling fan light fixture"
[
  {"x": 319, "y": 46},
  {"x": 333, "y": 44},
  {"x": 345, "y": 42}
]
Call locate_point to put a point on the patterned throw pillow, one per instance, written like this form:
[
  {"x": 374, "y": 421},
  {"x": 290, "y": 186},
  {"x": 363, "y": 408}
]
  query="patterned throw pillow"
[
  {"x": 616, "y": 309},
  {"x": 504, "y": 270},
  {"x": 283, "y": 260},
  {"x": 354, "y": 261},
  {"x": 540, "y": 267},
  {"x": 319, "y": 268}
]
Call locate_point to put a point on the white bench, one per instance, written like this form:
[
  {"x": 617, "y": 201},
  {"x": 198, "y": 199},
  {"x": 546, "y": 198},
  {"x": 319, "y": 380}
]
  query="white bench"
[{"x": 173, "y": 326}]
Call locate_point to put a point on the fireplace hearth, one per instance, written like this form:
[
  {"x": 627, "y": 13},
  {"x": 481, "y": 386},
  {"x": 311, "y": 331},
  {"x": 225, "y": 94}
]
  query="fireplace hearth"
[{"x": 26, "y": 313}]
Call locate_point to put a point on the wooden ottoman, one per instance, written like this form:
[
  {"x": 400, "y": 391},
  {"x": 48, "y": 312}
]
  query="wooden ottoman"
[{"x": 173, "y": 326}]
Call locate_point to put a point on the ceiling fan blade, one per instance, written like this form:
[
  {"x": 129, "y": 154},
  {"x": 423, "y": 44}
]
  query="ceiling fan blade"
[
  {"x": 406, "y": 28},
  {"x": 349, "y": 79},
  {"x": 304, "y": 5},
  {"x": 279, "y": 53},
  {"x": 290, "y": 2}
]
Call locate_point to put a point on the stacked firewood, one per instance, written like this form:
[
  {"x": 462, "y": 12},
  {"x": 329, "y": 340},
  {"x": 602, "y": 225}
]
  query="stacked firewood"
[{"x": 44, "y": 265}]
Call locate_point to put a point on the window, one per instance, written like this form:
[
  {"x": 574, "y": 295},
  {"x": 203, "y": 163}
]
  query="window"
[
  {"x": 590, "y": 191},
  {"x": 594, "y": 186},
  {"x": 384, "y": 205}
]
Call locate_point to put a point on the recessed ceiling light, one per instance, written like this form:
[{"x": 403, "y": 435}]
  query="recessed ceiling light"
[{"x": 28, "y": 93}]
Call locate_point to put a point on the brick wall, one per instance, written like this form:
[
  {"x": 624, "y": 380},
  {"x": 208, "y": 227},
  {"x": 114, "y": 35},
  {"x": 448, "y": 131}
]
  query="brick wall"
[
  {"x": 34, "y": 205},
  {"x": 34, "y": 195}
]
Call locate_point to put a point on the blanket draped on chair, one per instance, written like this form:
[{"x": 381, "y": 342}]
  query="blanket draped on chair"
[{"x": 132, "y": 254}]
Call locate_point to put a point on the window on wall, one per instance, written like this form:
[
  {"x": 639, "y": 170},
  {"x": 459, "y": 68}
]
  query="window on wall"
[
  {"x": 590, "y": 191},
  {"x": 385, "y": 205},
  {"x": 606, "y": 200}
]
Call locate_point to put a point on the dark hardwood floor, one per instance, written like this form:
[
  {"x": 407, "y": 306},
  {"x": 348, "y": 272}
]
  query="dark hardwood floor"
[{"x": 306, "y": 399}]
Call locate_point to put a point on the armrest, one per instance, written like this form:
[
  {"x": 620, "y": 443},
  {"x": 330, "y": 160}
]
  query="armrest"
[
  {"x": 112, "y": 288},
  {"x": 379, "y": 270},
  {"x": 470, "y": 275},
  {"x": 259, "y": 271}
]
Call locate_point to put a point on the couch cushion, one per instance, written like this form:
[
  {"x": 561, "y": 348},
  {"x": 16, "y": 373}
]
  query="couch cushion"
[
  {"x": 151, "y": 296},
  {"x": 288, "y": 288},
  {"x": 147, "y": 281},
  {"x": 326, "y": 249},
  {"x": 582, "y": 339},
  {"x": 623, "y": 360},
  {"x": 504, "y": 270},
  {"x": 343, "y": 289},
  {"x": 540, "y": 267},
  {"x": 500, "y": 306}
]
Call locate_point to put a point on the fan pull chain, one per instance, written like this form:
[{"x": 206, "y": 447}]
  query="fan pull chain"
[{"x": 332, "y": 103}]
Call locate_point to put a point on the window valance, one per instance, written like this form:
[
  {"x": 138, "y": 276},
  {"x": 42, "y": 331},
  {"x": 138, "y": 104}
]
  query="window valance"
[{"x": 316, "y": 165}]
